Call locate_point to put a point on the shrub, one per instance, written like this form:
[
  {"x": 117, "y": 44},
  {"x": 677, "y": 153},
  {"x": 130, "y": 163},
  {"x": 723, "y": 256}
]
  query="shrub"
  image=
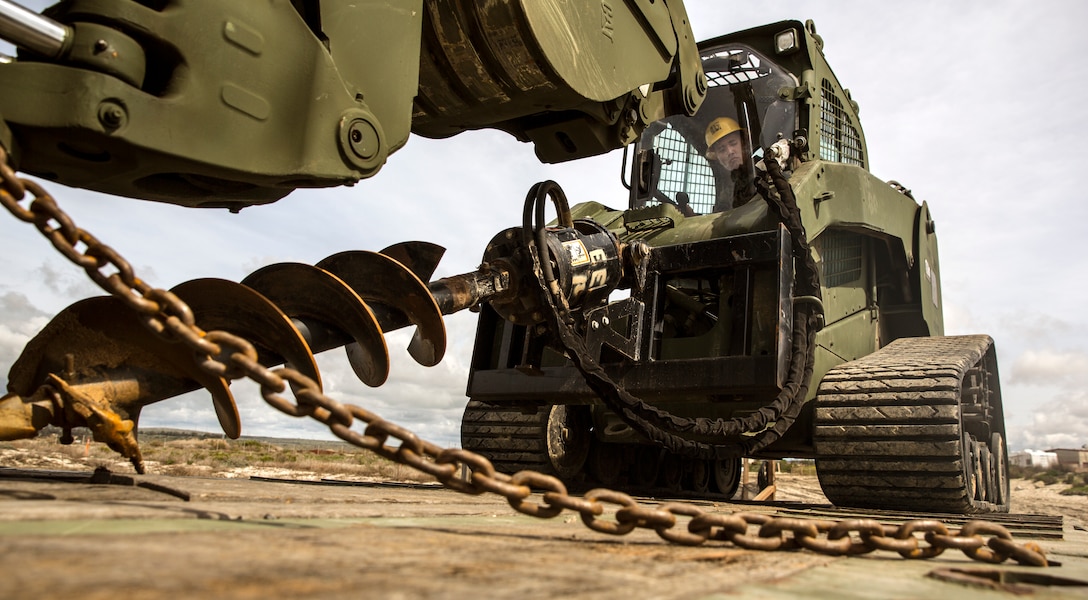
[
  {"x": 1077, "y": 490},
  {"x": 207, "y": 456},
  {"x": 1022, "y": 472},
  {"x": 1047, "y": 478}
]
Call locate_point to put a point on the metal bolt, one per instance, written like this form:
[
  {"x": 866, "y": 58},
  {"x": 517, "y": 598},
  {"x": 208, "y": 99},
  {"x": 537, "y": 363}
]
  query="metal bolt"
[
  {"x": 111, "y": 114},
  {"x": 639, "y": 250},
  {"x": 594, "y": 325},
  {"x": 604, "y": 321},
  {"x": 363, "y": 139},
  {"x": 101, "y": 46}
]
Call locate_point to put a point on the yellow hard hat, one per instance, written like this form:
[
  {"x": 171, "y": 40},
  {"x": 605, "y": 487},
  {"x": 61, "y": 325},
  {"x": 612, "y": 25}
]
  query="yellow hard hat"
[{"x": 719, "y": 128}]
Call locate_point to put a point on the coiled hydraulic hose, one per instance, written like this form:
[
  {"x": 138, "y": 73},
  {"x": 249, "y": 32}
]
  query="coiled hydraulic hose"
[{"x": 661, "y": 426}]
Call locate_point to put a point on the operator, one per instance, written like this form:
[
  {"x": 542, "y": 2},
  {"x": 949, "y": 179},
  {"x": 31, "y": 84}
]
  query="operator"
[{"x": 728, "y": 146}]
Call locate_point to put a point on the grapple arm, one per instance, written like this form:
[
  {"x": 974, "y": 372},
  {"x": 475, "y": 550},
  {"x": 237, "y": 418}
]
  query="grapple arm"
[{"x": 228, "y": 104}]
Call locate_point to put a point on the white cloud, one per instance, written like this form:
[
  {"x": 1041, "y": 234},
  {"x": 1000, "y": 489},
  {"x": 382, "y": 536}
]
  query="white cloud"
[
  {"x": 958, "y": 318},
  {"x": 1051, "y": 367},
  {"x": 1043, "y": 328},
  {"x": 19, "y": 321},
  {"x": 1060, "y": 423}
]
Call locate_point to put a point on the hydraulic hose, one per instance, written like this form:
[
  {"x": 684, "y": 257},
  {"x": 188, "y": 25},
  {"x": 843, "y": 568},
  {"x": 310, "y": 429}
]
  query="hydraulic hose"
[{"x": 661, "y": 426}]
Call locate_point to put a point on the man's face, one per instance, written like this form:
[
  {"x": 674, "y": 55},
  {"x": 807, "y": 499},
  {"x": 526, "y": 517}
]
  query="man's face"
[{"x": 729, "y": 151}]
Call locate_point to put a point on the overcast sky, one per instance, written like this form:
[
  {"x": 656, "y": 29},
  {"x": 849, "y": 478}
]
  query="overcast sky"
[{"x": 973, "y": 105}]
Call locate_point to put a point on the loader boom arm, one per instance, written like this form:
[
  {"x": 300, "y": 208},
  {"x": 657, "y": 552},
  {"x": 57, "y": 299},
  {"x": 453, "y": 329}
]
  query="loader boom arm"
[{"x": 229, "y": 104}]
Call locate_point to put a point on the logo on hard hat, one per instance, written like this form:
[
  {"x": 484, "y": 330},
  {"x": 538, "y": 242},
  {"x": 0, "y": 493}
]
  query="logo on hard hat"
[{"x": 719, "y": 128}]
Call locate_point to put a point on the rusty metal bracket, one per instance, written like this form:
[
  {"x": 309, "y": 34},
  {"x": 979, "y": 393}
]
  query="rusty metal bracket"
[{"x": 106, "y": 425}]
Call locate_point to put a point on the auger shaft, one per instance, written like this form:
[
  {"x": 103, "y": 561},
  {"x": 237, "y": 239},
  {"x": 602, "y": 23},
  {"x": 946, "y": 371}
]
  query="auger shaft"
[{"x": 452, "y": 294}]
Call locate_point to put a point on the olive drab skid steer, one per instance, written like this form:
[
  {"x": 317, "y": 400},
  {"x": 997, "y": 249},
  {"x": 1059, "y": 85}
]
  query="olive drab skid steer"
[{"x": 787, "y": 305}]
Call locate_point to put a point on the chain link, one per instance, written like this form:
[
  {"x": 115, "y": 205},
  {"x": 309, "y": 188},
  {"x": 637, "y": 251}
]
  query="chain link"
[{"x": 226, "y": 355}]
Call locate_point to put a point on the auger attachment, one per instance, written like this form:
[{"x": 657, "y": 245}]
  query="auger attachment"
[{"x": 97, "y": 365}]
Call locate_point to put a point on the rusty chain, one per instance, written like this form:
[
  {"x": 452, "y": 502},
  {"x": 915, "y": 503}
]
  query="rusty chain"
[{"x": 232, "y": 357}]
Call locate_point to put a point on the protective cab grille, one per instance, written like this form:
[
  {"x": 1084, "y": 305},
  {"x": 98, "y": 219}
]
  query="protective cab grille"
[
  {"x": 747, "y": 66},
  {"x": 839, "y": 140},
  {"x": 687, "y": 171}
]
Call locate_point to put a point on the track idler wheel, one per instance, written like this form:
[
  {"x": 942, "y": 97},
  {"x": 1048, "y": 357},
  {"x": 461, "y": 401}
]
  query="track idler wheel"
[
  {"x": 699, "y": 475},
  {"x": 553, "y": 439},
  {"x": 568, "y": 439},
  {"x": 726, "y": 476}
]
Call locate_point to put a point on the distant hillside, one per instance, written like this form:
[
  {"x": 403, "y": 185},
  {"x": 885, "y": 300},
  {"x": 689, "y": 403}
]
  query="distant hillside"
[{"x": 165, "y": 434}]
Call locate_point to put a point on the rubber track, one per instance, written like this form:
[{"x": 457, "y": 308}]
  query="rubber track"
[
  {"x": 512, "y": 439},
  {"x": 888, "y": 432}
]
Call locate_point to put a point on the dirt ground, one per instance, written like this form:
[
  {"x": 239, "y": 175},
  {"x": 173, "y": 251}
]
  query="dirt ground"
[
  {"x": 240, "y": 538},
  {"x": 1028, "y": 497}
]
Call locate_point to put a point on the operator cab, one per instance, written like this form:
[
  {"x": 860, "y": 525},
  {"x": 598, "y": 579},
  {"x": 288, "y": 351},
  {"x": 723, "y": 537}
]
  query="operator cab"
[{"x": 679, "y": 162}]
